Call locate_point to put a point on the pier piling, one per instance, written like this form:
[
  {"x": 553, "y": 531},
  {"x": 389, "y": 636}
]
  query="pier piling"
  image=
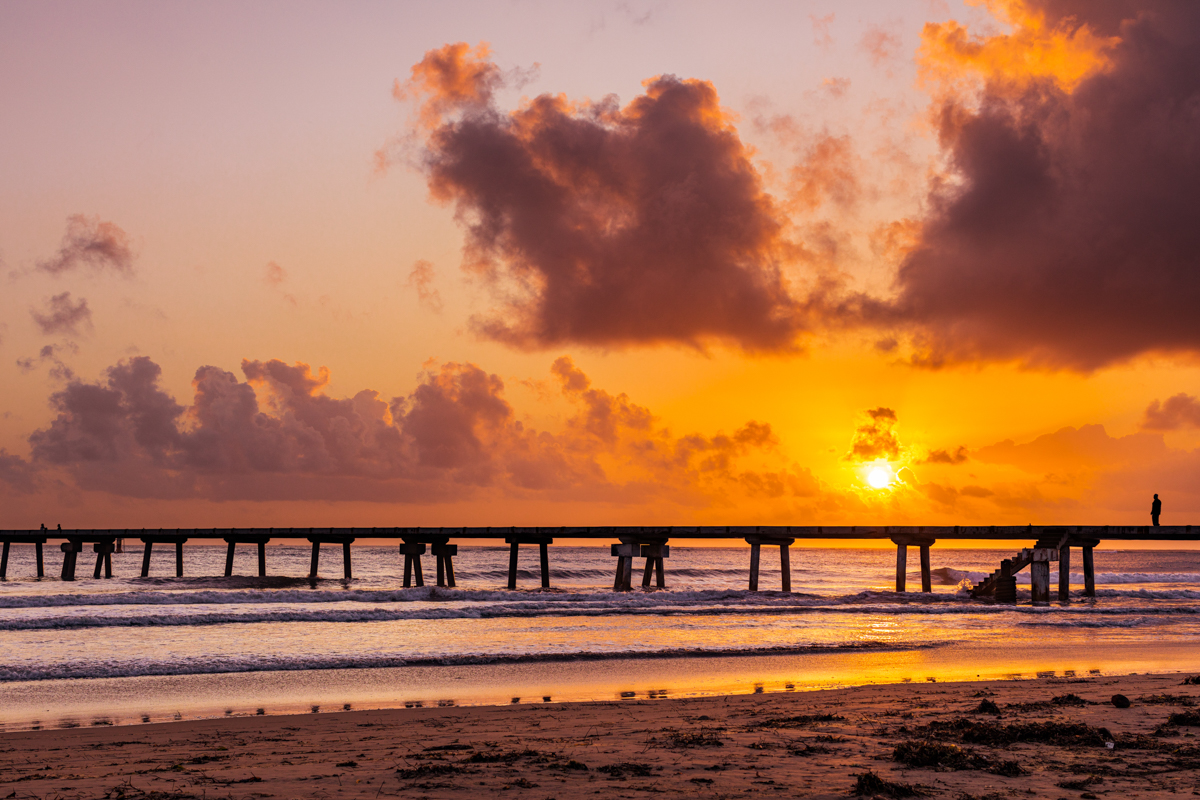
[
  {"x": 71, "y": 550},
  {"x": 229, "y": 545},
  {"x": 926, "y": 573},
  {"x": 654, "y": 555},
  {"x": 1089, "y": 571},
  {"x": 4, "y": 563},
  {"x": 1064, "y": 573},
  {"x": 412, "y": 552},
  {"x": 902, "y": 542},
  {"x": 150, "y": 541},
  {"x": 104, "y": 551},
  {"x": 345, "y": 542},
  {"x": 514, "y": 544},
  {"x": 444, "y": 553},
  {"x": 41, "y": 564},
  {"x": 785, "y": 564}
]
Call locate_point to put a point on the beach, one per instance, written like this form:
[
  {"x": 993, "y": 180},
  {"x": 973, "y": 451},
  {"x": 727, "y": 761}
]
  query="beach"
[{"x": 1058, "y": 737}]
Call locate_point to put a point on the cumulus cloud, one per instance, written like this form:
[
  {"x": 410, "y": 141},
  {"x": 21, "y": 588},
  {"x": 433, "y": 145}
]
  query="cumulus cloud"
[
  {"x": 1067, "y": 230},
  {"x": 277, "y": 434},
  {"x": 875, "y": 439},
  {"x": 603, "y": 224},
  {"x": 1179, "y": 411},
  {"x": 63, "y": 315},
  {"x": 91, "y": 242}
]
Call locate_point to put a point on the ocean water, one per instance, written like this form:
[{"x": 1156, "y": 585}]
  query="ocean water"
[{"x": 130, "y": 648}]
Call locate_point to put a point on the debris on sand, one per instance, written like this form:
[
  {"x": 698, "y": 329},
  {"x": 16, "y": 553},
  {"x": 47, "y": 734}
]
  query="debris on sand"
[
  {"x": 949, "y": 757},
  {"x": 1120, "y": 701},
  {"x": 987, "y": 707},
  {"x": 869, "y": 784}
]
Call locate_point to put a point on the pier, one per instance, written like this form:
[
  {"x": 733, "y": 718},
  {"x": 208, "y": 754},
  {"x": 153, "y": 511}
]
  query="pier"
[{"x": 1048, "y": 544}]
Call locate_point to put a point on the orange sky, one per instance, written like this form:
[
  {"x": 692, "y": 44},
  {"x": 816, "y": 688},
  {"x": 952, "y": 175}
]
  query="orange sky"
[{"x": 630, "y": 263}]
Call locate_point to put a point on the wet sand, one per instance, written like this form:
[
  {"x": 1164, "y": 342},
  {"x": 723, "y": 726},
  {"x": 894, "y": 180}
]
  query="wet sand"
[{"x": 1035, "y": 738}]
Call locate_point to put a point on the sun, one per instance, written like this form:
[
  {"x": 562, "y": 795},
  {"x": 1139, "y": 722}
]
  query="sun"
[{"x": 879, "y": 477}]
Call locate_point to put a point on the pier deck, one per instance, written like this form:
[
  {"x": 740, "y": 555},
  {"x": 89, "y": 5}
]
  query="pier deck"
[{"x": 1051, "y": 543}]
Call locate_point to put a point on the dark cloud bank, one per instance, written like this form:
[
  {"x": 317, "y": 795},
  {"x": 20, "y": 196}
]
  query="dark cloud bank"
[
  {"x": 1069, "y": 237},
  {"x": 277, "y": 435}
]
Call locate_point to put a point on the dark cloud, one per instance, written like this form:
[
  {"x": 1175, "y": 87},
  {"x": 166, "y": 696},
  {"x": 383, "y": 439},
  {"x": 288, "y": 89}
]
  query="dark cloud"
[
  {"x": 278, "y": 435},
  {"x": 1180, "y": 411},
  {"x": 52, "y": 354},
  {"x": 91, "y": 242},
  {"x": 603, "y": 224},
  {"x": 16, "y": 474},
  {"x": 959, "y": 456},
  {"x": 1069, "y": 234},
  {"x": 876, "y": 439},
  {"x": 62, "y": 315}
]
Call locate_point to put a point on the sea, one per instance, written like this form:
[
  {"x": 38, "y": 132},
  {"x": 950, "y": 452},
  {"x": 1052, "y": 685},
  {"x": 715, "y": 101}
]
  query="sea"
[{"x": 132, "y": 650}]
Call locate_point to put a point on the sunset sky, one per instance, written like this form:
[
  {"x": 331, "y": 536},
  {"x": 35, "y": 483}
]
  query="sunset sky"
[{"x": 537, "y": 263}]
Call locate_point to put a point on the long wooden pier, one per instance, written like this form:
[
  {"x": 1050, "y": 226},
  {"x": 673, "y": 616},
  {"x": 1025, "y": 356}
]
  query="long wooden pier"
[{"x": 1049, "y": 543}]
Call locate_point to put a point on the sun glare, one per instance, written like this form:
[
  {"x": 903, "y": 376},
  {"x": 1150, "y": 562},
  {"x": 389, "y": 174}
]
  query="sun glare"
[{"x": 879, "y": 477}]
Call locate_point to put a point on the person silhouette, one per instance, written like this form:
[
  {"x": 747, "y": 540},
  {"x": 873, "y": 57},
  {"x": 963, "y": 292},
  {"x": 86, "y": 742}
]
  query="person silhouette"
[{"x": 1155, "y": 510}]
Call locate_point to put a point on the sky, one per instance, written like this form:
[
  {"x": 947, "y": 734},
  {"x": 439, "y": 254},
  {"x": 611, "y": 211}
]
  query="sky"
[{"x": 523, "y": 263}]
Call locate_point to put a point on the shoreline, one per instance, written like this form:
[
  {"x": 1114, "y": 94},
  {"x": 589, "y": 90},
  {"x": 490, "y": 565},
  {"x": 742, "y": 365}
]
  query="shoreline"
[
  {"x": 1046, "y": 738},
  {"x": 125, "y": 701}
]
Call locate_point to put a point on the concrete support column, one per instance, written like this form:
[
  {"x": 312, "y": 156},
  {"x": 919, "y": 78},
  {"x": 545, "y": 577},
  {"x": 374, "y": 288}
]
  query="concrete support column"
[
  {"x": 147, "y": 547},
  {"x": 412, "y": 552},
  {"x": 785, "y": 564},
  {"x": 41, "y": 564},
  {"x": 543, "y": 543},
  {"x": 1089, "y": 573},
  {"x": 347, "y": 574},
  {"x": 654, "y": 555},
  {"x": 4, "y": 562},
  {"x": 262, "y": 559},
  {"x": 229, "y": 557},
  {"x": 926, "y": 576},
  {"x": 1064, "y": 574},
  {"x": 755, "y": 553},
  {"x": 179, "y": 559},
  {"x": 71, "y": 551},
  {"x": 103, "y": 552},
  {"x": 902, "y": 542},
  {"x": 624, "y": 554},
  {"x": 444, "y": 553}
]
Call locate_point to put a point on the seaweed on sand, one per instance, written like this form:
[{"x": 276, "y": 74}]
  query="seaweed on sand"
[
  {"x": 798, "y": 721},
  {"x": 935, "y": 755},
  {"x": 868, "y": 784},
  {"x": 995, "y": 734}
]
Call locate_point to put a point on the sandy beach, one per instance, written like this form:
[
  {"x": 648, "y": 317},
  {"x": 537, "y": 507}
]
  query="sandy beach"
[{"x": 1058, "y": 737}]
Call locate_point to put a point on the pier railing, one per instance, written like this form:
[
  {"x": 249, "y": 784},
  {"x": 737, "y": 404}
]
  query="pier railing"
[{"x": 1051, "y": 543}]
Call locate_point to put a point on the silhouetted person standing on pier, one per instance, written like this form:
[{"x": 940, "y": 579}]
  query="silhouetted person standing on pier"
[{"x": 1155, "y": 510}]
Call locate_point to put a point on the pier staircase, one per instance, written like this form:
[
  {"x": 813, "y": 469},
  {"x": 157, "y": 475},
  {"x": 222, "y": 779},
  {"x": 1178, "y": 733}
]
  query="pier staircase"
[{"x": 1002, "y": 583}]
